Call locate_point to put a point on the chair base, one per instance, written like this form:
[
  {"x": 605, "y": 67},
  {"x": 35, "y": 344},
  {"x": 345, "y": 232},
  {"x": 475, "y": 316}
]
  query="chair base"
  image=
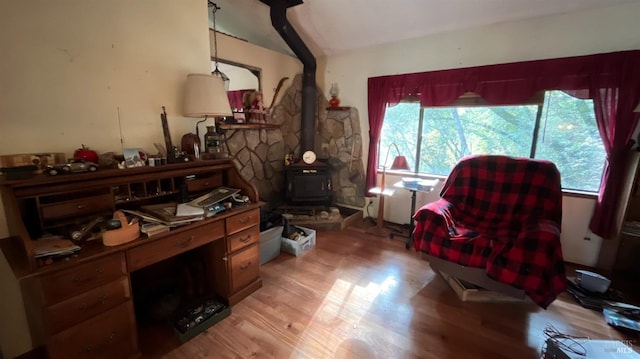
[{"x": 477, "y": 276}]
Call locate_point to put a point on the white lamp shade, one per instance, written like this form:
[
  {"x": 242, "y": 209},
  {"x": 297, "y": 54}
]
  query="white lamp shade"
[{"x": 205, "y": 95}]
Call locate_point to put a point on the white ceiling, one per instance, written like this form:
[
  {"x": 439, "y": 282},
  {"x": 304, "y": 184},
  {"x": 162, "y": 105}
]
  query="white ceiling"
[{"x": 331, "y": 27}]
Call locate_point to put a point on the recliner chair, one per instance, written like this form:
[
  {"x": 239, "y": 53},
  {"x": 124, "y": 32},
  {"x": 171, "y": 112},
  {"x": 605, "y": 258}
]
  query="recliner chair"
[{"x": 497, "y": 225}]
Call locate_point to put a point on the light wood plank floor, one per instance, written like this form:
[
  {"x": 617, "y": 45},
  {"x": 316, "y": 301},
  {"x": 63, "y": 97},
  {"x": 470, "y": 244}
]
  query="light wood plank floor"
[{"x": 360, "y": 296}]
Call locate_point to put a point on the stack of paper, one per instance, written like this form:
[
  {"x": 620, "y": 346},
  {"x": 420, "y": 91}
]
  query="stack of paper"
[
  {"x": 164, "y": 213},
  {"x": 54, "y": 246}
]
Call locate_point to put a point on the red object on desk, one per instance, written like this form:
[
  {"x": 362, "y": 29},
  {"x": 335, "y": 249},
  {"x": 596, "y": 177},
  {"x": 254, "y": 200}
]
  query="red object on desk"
[{"x": 86, "y": 154}]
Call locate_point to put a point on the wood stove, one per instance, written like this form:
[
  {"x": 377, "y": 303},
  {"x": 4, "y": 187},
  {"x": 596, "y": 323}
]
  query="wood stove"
[{"x": 308, "y": 184}]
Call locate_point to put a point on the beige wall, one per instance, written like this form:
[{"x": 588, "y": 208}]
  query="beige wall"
[
  {"x": 75, "y": 68},
  {"x": 597, "y": 31}
]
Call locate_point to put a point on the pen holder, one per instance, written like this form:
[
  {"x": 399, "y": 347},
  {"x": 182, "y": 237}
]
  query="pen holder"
[{"x": 126, "y": 233}]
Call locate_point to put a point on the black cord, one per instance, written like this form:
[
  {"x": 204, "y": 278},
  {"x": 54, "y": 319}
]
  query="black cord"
[
  {"x": 563, "y": 341},
  {"x": 369, "y": 214}
]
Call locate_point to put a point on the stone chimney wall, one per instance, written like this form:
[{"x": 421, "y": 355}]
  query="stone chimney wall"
[{"x": 260, "y": 153}]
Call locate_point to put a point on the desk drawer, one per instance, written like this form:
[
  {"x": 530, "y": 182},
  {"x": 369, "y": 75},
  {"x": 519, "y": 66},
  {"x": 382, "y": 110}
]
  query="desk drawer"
[
  {"x": 207, "y": 182},
  {"x": 243, "y": 239},
  {"x": 243, "y": 221},
  {"x": 77, "y": 207},
  {"x": 166, "y": 247},
  {"x": 68, "y": 283},
  {"x": 245, "y": 267},
  {"x": 84, "y": 306},
  {"x": 107, "y": 335}
]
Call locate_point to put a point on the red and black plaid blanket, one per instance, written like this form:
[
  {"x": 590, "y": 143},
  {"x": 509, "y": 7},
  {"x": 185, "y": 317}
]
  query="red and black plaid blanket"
[{"x": 503, "y": 214}]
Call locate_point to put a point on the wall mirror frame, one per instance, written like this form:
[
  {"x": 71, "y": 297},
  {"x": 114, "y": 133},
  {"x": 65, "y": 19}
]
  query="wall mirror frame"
[
  {"x": 244, "y": 80},
  {"x": 248, "y": 74}
]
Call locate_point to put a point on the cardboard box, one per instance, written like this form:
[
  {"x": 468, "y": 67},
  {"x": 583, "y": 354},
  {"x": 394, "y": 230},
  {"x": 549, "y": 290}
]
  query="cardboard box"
[
  {"x": 270, "y": 244},
  {"x": 39, "y": 159},
  {"x": 301, "y": 244}
]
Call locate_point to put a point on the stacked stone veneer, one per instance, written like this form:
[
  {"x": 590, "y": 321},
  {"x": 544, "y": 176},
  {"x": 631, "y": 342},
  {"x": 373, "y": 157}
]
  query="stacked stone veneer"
[{"x": 260, "y": 153}]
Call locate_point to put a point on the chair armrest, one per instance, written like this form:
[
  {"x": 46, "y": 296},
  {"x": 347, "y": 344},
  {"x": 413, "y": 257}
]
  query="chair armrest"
[
  {"x": 532, "y": 261},
  {"x": 431, "y": 224}
]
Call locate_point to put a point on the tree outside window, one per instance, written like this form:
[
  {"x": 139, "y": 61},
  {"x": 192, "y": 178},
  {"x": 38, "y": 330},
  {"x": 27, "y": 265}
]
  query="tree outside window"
[{"x": 555, "y": 127}]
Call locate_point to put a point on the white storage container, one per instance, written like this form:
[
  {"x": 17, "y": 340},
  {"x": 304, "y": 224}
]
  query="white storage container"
[
  {"x": 270, "y": 244},
  {"x": 301, "y": 244},
  {"x": 593, "y": 281}
]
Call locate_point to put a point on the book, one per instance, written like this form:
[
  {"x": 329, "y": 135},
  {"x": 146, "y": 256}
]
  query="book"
[
  {"x": 217, "y": 195},
  {"x": 152, "y": 229},
  {"x": 163, "y": 214},
  {"x": 186, "y": 209}
]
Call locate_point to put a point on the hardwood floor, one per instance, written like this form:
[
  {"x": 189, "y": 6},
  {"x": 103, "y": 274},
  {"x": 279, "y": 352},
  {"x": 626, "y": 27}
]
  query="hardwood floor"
[{"x": 361, "y": 296}]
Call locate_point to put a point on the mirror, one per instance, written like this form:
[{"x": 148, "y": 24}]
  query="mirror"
[{"x": 242, "y": 79}]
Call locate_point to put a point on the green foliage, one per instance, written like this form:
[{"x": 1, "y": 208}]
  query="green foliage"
[{"x": 567, "y": 136}]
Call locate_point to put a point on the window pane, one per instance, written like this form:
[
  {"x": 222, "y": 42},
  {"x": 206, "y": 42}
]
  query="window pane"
[
  {"x": 569, "y": 138},
  {"x": 449, "y": 133},
  {"x": 400, "y": 127}
]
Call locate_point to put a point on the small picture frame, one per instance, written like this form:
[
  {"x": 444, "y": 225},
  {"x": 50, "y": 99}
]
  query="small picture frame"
[{"x": 132, "y": 158}]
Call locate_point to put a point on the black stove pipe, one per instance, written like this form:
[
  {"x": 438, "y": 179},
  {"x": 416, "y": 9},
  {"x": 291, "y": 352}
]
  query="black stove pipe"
[{"x": 283, "y": 27}]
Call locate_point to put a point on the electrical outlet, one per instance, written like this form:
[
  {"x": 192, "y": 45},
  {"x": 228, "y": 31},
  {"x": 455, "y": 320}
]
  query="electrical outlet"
[{"x": 587, "y": 238}]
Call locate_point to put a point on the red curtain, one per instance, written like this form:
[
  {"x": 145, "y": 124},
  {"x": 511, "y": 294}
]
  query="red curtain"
[{"x": 612, "y": 80}]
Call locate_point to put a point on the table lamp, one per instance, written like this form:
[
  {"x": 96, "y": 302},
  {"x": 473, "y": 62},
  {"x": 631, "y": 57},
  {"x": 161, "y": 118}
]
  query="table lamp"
[
  {"x": 204, "y": 96},
  {"x": 399, "y": 163}
]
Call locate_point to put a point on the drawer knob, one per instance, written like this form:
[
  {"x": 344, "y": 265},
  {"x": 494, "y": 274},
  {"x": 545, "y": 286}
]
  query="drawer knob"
[
  {"x": 244, "y": 220},
  {"x": 99, "y": 270},
  {"x": 81, "y": 206},
  {"x": 82, "y": 306},
  {"x": 112, "y": 336},
  {"x": 89, "y": 348},
  {"x": 246, "y": 239},
  {"x": 103, "y": 299},
  {"x": 245, "y": 266}
]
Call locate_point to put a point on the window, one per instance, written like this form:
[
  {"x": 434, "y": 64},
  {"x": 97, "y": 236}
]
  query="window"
[{"x": 552, "y": 126}]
